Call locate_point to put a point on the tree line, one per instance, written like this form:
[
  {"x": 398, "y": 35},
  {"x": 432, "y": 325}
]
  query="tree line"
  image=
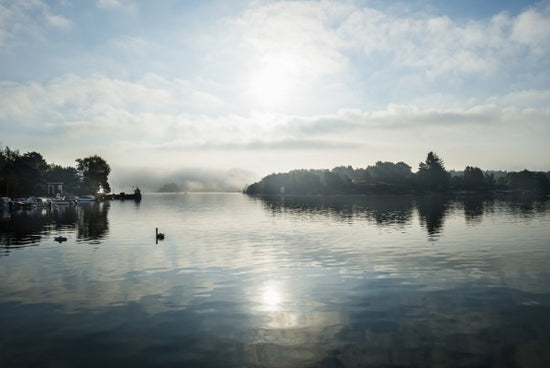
[
  {"x": 389, "y": 177},
  {"x": 28, "y": 173}
]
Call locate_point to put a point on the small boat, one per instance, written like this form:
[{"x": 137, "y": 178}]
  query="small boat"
[
  {"x": 38, "y": 201},
  {"x": 62, "y": 201},
  {"x": 85, "y": 199},
  {"x": 5, "y": 203},
  {"x": 22, "y": 204}
]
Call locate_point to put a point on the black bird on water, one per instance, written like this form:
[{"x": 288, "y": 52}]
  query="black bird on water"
[{"x": 159, "y": 236}]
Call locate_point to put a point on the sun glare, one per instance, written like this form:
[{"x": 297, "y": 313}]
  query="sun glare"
[
  {"x": 271, "y": 85},
  {"x": 271, "y": 297}
]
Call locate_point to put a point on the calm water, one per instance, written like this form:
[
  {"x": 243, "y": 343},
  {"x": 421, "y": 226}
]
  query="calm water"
[{"x": 249, "y": 282}]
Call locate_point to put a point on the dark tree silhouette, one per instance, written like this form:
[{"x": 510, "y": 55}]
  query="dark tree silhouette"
[
  {"x": 528, "y": 181},
  {"x": 68, "y": 175},
  {"x": 389, "y": 177},
  {"x": 473, "y": 178},
  {"x": 94, "y": 172},
  {"x": 8, "y": 174},
  {"x": 432, "y": 174},
  {"x": 30, "y": 169}
]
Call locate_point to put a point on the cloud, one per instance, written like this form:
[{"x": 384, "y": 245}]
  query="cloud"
[
  {"x": 532, "y": 28},
  {"x": 58, "y": 21},
  {"x": 108, "y": 4},
  {"x": 155, "y": 114},
  {"x": 115, "y": 5},
  {"x": 24, "y": 20},
  {"x": 72, "y": 100},
  {"x": 334, "y": 55},
  {"x": 299, "y": 29},
  {"x": 438, "y": 45}
]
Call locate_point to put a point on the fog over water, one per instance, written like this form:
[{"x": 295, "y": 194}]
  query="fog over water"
[{"x": 188, "y": 179}]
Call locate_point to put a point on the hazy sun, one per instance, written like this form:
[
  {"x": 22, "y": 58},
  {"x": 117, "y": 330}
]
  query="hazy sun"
[{"x": 272, "y": 83}]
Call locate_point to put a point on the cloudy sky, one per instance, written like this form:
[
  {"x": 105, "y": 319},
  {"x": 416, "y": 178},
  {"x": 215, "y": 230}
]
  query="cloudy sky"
[{"x": 268, "y": 86}]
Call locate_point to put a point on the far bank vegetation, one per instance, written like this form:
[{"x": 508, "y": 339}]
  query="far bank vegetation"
[{"x": 389, "y": 177}]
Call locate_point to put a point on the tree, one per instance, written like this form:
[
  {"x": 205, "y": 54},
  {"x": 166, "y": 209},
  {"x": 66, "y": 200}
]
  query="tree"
[
  {"x": 473, "y": 178},
  {"x": 528, "y": 181},
  {"x": 8, "y": 175},
  {"x": 67, "y": 175},
  {"x": 30, "y": 169},
  {"x": 432, "y": 174},
  {"x": 93, "y": 173},
  {"x": 333, "y": 183},
  {"x": 389, "y": 172}
]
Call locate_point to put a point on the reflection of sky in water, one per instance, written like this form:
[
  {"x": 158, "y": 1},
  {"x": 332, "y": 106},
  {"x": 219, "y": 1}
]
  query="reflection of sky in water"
[{"x": 294, "y": 281}]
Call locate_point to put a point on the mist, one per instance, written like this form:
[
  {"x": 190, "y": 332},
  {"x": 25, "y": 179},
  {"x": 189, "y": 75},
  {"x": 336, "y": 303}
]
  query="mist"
[{"x": 186, "y": 179}]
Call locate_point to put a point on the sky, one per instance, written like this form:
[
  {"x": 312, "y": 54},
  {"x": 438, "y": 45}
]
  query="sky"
[{"x": 218, "y": 92}]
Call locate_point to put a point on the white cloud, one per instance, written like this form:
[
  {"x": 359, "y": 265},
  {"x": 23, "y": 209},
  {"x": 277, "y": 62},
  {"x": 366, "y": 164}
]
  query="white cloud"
[
  {"x": 115, "y": 4},
  {"x": 301, "y": 30},
  {"x": 439, "y": 46},
  {"x": 22, "y": 20},
  {"x": 532, "y": 28},
  {"x": 151, "y": 113},
  {"x": 58, "y": 21},
  {"x": 330, "y": 55},
  {"x": 108, "y": 4}
]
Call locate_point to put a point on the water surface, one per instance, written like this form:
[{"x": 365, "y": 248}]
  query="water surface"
[{"x": 388, "y": 281}]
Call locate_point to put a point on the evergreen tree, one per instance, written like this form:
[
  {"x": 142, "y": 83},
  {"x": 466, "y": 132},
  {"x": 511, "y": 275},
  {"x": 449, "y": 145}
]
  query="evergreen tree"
[{"x": 432, "y": 174}]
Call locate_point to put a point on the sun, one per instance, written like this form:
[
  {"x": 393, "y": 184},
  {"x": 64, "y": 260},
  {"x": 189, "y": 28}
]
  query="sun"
[{"x": 273, "y": 82}]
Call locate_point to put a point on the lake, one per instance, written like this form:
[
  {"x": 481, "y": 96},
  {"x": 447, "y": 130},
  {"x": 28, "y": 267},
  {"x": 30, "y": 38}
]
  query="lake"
[{"x": 238, "y": 281}]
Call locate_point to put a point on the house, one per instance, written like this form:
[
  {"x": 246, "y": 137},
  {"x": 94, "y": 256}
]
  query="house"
[{"x": 55, "y": 188}]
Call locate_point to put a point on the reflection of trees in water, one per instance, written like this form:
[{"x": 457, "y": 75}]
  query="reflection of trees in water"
[
  {"x": 383, "y": 210},
  {"x": 92, "y": 222},
  {"x": 25, "y": 227},
  {"x": 528, "y": 207},
  {"x": 474, "y": 207},
  {"x": 431, "y": 212},
  {"x": 391, "y": 210}
]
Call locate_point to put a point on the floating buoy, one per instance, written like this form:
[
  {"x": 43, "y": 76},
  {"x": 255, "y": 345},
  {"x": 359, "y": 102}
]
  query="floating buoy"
[{"x": 60, "y": 239}]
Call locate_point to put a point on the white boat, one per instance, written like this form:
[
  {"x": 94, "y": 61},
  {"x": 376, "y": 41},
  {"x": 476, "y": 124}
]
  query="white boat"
[
  {"x": 4, "y": 202},
  {"x": 85, "y": 199},
  {"x": 38, "y": 201},
  {"x": 62, "y": 201}
]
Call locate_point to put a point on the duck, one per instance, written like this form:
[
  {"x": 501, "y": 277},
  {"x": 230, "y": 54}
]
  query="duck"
[
  {"x": 160, "y": 236},
  {"x": 60, "y": 239}
]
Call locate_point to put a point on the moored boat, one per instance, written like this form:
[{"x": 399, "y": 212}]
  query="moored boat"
[
  {"x": 4, "y": 202},
  {"x": 62, "y": 201},
  {"x": 85, "y": 199}
]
